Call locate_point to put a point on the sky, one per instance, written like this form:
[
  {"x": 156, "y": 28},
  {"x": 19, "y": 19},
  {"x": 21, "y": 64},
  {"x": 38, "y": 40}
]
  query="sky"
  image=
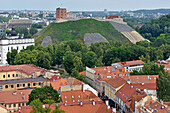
[{"x": 83, "y": 5}]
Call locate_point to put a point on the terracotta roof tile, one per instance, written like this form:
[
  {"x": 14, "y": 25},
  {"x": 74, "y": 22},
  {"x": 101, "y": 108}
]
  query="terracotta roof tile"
[
  {"x": 129, "y": 63},
  {"x": 78, "y": 96},
  {"x": 64, "y": 82},
  {"x": 17, "y": 96},
  {"x": 143, "y": 78},
  {"x": 56, "y": 77},
  {"x": 116, "y": 82},
  {"x": 25, "y": 68}
]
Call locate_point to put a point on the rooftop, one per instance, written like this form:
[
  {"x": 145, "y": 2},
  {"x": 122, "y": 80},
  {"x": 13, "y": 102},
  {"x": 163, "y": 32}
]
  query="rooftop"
[
  {"x": 78, "y": 96},
  {"x": 129, "y": 63},
  {"x": 18, "y": 96},
  {"x": 64, "y": 82},
  {"x": 24, "y": 80},
  {"x": 25, "y": 68},
  {"x": 116, "y": 82},
  {"x": 20, "y": 21}
]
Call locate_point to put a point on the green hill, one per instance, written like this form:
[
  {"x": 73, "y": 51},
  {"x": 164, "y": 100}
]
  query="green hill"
[{"x": 75, "y": 30}]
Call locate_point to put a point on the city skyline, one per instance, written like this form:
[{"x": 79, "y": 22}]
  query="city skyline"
[{"x": 88, "y": 5}]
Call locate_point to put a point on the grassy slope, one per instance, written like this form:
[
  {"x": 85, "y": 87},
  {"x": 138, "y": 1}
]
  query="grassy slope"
[{"x": 76, "y": 30}]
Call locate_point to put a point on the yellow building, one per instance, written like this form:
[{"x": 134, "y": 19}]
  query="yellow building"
[
  {"x": 3, "y": 109},
  {"x": 20, "y": 71},
  {"x": 112, "y": 86},
  {"x": 11, "y": 85},
  {"x": 14, "y": 99}
]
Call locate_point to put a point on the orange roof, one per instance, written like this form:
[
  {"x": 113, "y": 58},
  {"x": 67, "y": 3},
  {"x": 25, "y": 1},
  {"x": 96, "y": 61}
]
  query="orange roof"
[
  {"x": 78, "y": 96},
  {"x": 63, "y": 82},
  {"x": 83, "y": 73},
  {"x": 148, "y": 86},
  {"x": 143, "y": 78},
  {"x": 155, "y": 106},
  {"x": 116, "y": 82},
  {"x": 18, "y": 96},
  {"x": 125, "y": 92},
  {"x": 129, "y": 63},
  {"x": 87, "y": 107},
  {"x": 103, "y": 73},
  {"x": 25, "y": 68}
]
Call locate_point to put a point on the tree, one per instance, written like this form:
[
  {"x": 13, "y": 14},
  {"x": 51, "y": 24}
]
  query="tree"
[
  {"x": 36, "y": 106},
  {"x": 44, "y": 59},
  {"x": 78, "y": 63},
  {"x": 69, "y": 62},
  {"x": 89, "y": 59},
  {"x": 11, "y": 56},
  {"x": 39, "y": 26},
  {"x": 44, "y": 93},
  {"x": 135, "y": 72},
  {"x": 22, "y": 30},
  {"x": 33, "y": 31}
]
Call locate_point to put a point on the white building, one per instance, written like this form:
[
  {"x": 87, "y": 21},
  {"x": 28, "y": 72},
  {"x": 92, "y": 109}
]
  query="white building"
[
  {"x": 130, "y": 65},
  {"x": 13, "y": 41}
]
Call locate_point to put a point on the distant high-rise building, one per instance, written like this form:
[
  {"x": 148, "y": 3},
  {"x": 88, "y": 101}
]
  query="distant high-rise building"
[
  {"x": 105, "y": 11},
  {"x": 61, "y": 13}
]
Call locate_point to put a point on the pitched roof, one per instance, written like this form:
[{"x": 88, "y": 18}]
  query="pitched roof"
[
  {"x": 148, "y": 86},
  {"x": 64, "y": 82},
  {"x": 154, "y": 106},
  {"x": 78, "y": 96},
  {"x": 18, "y": 96},
  {"x": 83, "y": 73},
  {"x": 143, "y": 78},
  {"x": 56, "y": 77},
  {"x": 116, "y": 82},
  {"x": 129, "y": 63},
  {"x": 25, "y": 68},
  {"x": 125, "y": 92},
  {"x": 86, "y": 107},
  {"x": 24, "y": 80}
]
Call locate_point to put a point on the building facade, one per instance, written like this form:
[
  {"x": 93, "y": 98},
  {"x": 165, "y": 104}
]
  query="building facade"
[
  {"x": 19, "y": 23},
  {"x": 61, "y": 13},
  {"x": 13, "y": 41}
]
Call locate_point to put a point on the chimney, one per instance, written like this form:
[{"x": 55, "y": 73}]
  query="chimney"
[
  {"x": 107, "y": 102},
  {"x": 131, "y": 86},
  {"x": 148, "y": 76},
  {"x": 108, "y": 107},
  {"x": 83, "y": 89},
  {"x": 24, "y": 97},
  {"x": 93, "y": 103},
  {"x": 81, "y": 103}
]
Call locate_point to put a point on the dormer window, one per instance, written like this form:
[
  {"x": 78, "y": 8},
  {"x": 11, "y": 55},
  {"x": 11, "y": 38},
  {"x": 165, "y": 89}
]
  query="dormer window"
[
  {"x": 65, "y": 97},
  {"x": 79, "y": 96},
  {"x": 73, "y": 100},
  {"x": 72, "y": 96}
]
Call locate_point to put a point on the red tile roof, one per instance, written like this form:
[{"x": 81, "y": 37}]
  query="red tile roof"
[
  {"x": 87, "y": 107},
  {"x": 25, "y": 68},
  {"x": 129, "y": 63},
  {"x": 143, "y": 78},
  {"x": 18, "y": 96},
  {"x": 78, "y": 96},
  {"x": 64, "y": 82},
  {"x": 56, "y": 77},
  {"x": 152, "y": 105},
  {"x": 116, "y": 82},
  {"x": 83, "y": 73},
  {"x": 125, "y": 92},
  {"x": 148, "y": 86}
]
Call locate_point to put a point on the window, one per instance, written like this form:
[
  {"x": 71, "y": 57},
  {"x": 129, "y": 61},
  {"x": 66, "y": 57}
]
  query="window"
[
  {"x": 11, "y": 48},
  {"x": 79, "y": 96},
  {"x": 23, "y": 85},
  {"x": 9, "y": 105},
  {"x": 34, "y": 84},
  {"x": 19, "y": 104},
  {"x": 23, "y": 47},
  {"x": 72, "y": 96},
  {"x": 12, "y": 86},
  {"x": 3, "y": 76},
  {"x": 6, "y": 86},
  {"x": 28, "y": 84},
  {"x": 16, "y": 75},
  {"x": 65, "y": 97},
  {"x": 73, "y": 100},
  {"x": 120, "y": 70},
  {"x": 22, "y": 104},
  {"x": 8, "y": 75},
  {"x": 17, "y": 85},
  {"x": 13, "y": 75},
  {"x": 17, "y": 47},
  {"x": 39, "y": 83},
  {"x": 14, "y": 105},
  {"x": 1, "y": 87}
]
